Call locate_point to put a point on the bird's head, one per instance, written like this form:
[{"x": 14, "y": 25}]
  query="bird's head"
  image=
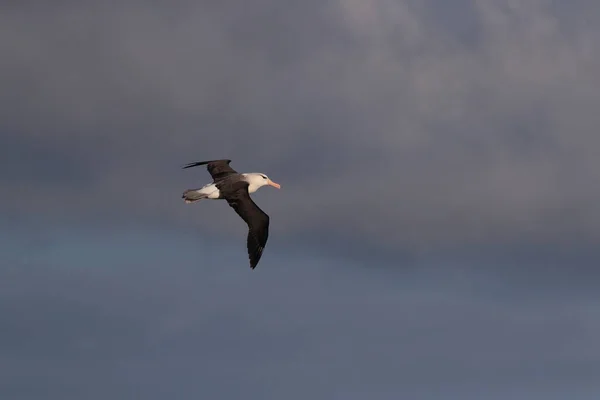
[{"x": 257, "y": 180}]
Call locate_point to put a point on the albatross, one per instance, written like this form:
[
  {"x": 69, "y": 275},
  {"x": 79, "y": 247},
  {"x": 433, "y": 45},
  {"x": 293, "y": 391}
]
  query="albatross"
[{"x": 235, "y": 188}]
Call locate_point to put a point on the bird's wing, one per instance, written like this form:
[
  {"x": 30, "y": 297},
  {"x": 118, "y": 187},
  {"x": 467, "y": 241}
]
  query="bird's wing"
[
  {"x": 258, "y": 221},
  {"x": 218, "y": 169}
]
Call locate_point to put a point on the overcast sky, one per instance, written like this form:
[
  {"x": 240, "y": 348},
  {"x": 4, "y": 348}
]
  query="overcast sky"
[{"x": 435, "y": 236}]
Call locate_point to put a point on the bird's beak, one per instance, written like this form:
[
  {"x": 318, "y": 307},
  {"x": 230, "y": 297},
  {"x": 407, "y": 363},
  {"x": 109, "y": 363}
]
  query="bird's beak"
[{"x": 276, "y": 185}]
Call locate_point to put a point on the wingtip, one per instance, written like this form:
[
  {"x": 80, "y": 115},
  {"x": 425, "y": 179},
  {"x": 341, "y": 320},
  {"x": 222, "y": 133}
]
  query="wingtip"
[{"x": 198, "y": 163}]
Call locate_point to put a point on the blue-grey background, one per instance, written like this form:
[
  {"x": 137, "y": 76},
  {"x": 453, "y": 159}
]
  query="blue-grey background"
[{"x": 436, "y": 234}]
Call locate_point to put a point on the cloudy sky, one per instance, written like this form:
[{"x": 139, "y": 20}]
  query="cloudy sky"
[{"x": 436, "y": 235}]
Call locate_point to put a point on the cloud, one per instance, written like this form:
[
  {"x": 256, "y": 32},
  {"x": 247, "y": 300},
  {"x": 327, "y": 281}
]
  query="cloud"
[{"x": 377, "y": 118}]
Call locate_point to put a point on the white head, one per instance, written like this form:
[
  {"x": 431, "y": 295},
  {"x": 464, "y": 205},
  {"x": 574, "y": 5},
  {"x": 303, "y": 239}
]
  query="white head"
[{"x": 257, "y": 180}]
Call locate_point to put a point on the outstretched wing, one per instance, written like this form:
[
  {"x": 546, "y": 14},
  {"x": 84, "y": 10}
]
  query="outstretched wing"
[
  {"x": 257, "y": 220},
  {"x": 218, "y": 169}
]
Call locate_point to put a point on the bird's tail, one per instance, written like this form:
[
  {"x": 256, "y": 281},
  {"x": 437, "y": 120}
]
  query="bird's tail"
[{"x": 193, "y": 195}]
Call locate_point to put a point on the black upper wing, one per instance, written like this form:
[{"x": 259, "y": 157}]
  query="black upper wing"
[
  {"x": 218, "y": 169},
  {"x": 258, "y": 221}
]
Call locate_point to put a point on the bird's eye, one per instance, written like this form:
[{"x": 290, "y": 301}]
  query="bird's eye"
[{"x": 264, "y": 177}]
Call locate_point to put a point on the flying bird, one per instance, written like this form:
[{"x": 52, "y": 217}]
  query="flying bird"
[{"x": 235, "y": 188}]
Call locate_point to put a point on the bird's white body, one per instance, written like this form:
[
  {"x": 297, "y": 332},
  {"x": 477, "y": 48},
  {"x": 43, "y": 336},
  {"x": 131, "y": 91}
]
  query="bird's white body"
[
  {"x": 211, "y": 191},
  {"x": 255, "y": 181}
]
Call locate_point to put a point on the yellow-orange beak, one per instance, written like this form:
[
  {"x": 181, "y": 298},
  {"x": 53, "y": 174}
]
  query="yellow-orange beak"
[{"x": 276, "y": 185}]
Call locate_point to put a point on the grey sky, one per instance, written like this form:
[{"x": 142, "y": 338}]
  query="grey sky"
[
  {"x": 435, "y": 139},
  {"x": 436, "y": 232},
  {"x": 308, "y": 328}
]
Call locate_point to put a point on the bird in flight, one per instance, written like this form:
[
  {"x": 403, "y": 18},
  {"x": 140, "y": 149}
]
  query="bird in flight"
[{"x": 235, "y": 188}]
